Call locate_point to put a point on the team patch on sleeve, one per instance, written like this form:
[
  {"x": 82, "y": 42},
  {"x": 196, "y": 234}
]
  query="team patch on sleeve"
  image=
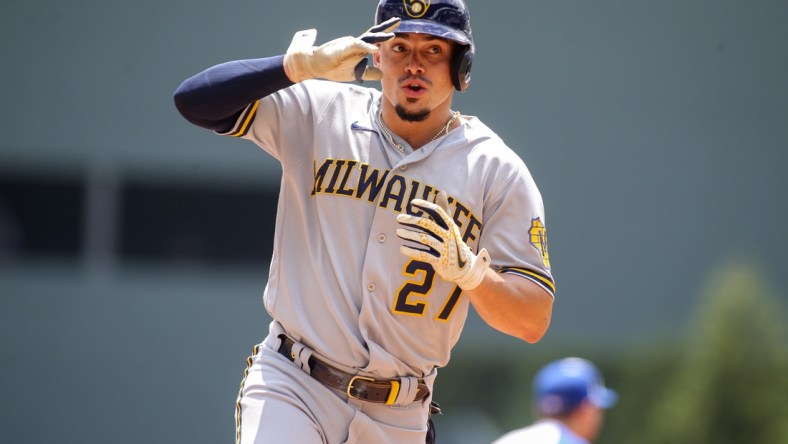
[
  {"x": 538, "y": 236},
  {"x": 244, "y": 121},
  {"x": 540, "y": 279}
]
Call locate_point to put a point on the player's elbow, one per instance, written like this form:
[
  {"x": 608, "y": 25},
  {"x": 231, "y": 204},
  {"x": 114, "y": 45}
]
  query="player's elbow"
[
  {"x": 533, "y": 336},
  {"x": 533, "y": 329},
  {"x": 523, "y": 311},
  {"x": 197, "y": 111},
  {"x": 185, "y": 102},
  {"x": 530, "y": 329}
]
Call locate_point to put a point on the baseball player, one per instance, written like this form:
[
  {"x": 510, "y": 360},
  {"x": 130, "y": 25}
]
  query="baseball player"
[
  {"x": 569, "y": 399},
  {"x": 395, "y": 213}
]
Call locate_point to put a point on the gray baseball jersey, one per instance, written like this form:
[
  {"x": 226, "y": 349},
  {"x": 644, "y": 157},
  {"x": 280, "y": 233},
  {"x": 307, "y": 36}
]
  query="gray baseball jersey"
[{"x": 337, "y": 280}]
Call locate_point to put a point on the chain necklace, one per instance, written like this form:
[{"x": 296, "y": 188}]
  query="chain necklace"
[{"x": 400, "y": 147}]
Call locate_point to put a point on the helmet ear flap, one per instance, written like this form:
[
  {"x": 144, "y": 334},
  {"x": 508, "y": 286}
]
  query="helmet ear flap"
[{"x": 461, "y": 63}]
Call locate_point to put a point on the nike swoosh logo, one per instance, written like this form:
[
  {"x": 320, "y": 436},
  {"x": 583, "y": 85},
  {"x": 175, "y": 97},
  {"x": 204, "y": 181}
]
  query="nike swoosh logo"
[{"x": 356, "y": 127}]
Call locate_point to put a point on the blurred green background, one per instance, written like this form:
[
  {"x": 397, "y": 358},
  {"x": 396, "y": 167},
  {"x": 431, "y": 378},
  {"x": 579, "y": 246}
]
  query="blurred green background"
[{"x": 134, "y": 247}]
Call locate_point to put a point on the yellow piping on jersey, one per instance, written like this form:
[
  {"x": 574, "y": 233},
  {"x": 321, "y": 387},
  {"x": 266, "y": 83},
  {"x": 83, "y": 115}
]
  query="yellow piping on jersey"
[
  {"x": 249, "y": 362},
  {"x": 534, "y": 276},
  {"x": 245, "y": 126}
]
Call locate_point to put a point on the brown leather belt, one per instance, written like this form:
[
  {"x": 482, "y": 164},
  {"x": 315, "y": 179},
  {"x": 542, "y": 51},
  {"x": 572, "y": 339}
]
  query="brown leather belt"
[{"x": 357, "y": 387}]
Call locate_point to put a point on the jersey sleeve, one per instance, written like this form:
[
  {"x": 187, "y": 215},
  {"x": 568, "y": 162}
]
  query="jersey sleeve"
[
  {"x": 515, "y": 232},
  {"x": 283, "y": 123}
]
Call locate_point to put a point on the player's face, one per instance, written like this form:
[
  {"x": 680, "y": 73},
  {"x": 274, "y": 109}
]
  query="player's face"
[{"x": 416, "y": 78}]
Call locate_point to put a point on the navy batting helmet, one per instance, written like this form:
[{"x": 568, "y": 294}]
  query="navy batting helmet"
[{"x": 448, "y": 19}]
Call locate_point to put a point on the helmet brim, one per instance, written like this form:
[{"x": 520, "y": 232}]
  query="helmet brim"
[{"x": 431, "y": 28}]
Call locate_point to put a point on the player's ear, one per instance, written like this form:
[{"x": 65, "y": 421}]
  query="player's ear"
[{"x": 376, "y": 58}]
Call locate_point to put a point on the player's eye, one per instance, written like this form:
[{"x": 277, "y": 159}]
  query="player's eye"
[{"x": 398, "y": 48}]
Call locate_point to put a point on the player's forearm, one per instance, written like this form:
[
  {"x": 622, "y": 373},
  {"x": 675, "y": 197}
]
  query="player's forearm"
[
  {"x": 214, "y": 98},
  {"x": 513, "y": 305}
]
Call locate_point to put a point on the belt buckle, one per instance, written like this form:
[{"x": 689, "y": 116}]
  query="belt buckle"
[
  {"x": 353, "y": 380},
  {"x": 393, "y": 393}
]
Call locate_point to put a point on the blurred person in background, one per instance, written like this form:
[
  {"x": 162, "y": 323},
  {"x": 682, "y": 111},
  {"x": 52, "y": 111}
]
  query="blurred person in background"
[{"x": 569, "y": 403}]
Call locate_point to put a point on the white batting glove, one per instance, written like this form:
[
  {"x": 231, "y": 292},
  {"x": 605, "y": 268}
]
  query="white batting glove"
[
  {"x": 442, "y": 244},
  {"x": 340, "y": 60}
]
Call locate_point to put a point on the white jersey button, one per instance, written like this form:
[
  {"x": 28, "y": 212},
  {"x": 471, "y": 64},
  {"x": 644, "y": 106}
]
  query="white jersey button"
[
  {"x": 403, "y": 167},
  {"x": 381, "y": 238},
  {"x": 371, "y": 286}
]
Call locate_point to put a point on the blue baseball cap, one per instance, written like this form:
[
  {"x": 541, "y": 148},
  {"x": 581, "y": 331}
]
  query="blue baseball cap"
[{"x": 562, "y": 385}]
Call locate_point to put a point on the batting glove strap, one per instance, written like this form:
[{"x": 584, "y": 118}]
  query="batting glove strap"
[
  {"x": 437, "y": 241},
  {"x": 340, "y": 60},
  {"x": 479, "y": 264}
]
